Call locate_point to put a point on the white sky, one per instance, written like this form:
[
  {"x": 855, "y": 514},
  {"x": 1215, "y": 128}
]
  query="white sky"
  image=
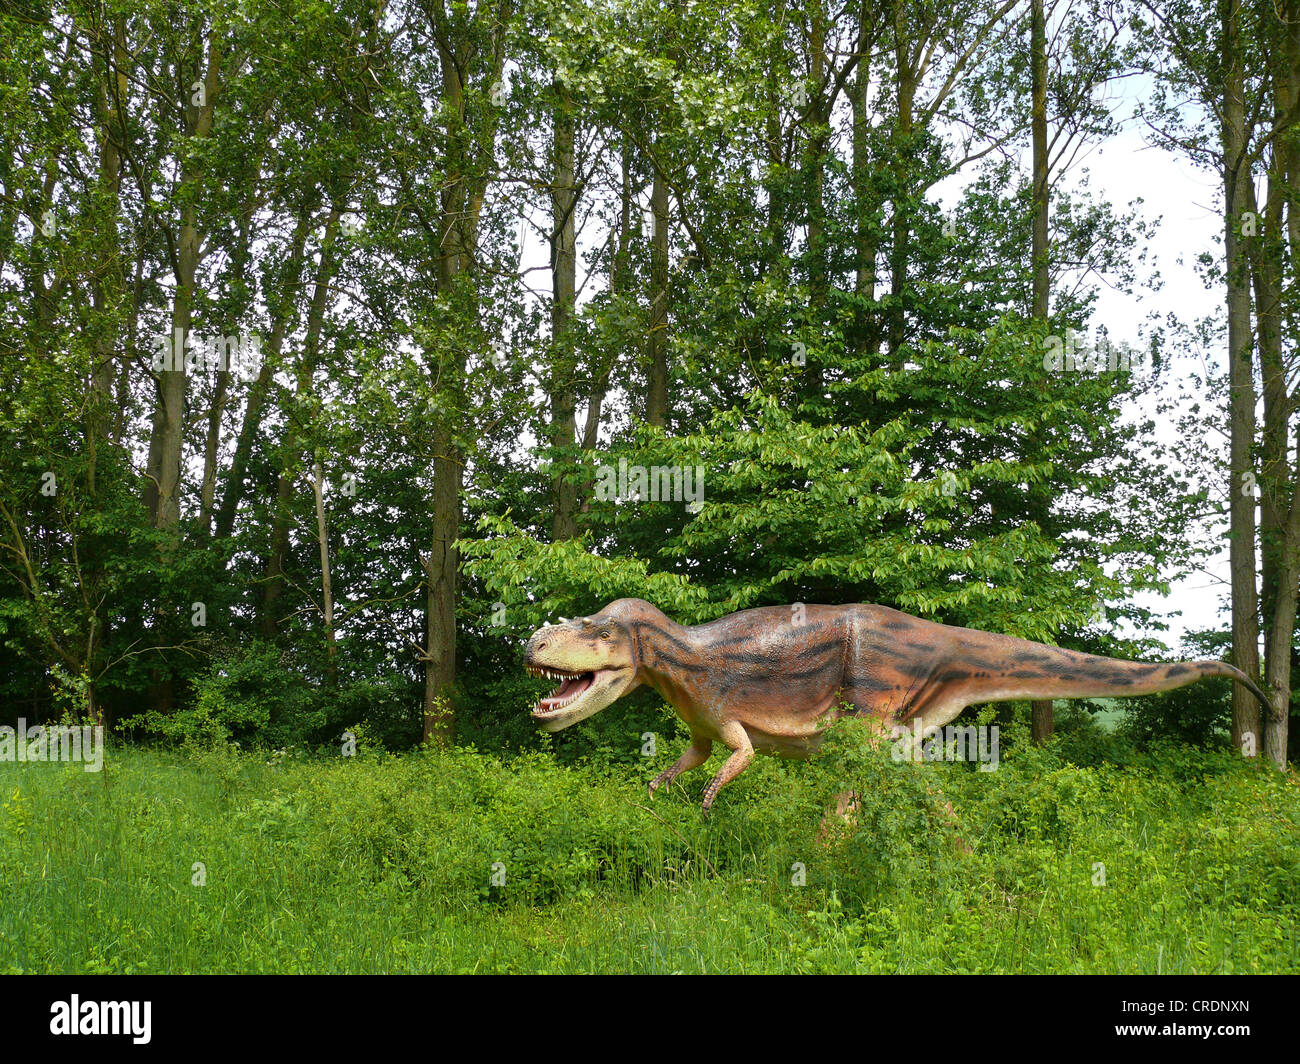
[{"x": 1186, "y": 200}]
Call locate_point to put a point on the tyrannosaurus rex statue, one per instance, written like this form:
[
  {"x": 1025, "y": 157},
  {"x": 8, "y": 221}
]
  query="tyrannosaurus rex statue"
[{"x": 771, "y": 679}]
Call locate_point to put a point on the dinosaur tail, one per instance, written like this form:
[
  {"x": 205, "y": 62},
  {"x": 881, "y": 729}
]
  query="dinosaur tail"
[
  {"x": 1043, "y": 672},
  {"x": 1222, "y": 668}
]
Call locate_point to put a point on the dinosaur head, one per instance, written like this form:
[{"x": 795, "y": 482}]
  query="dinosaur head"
[{"x": 595, "y": 660}]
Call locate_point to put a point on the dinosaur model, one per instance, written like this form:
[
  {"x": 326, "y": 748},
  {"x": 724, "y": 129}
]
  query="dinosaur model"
[{"x": 771, "y": 679}]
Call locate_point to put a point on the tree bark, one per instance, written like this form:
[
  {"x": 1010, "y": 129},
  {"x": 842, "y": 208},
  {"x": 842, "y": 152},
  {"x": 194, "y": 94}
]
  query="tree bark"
[
  {"x": 169, "y": 414},
  {"x": 1041, "y": 712},
  {"x": 469, "y": 168},
  {"x": 440, "y": 568},
  {"x": 564, "y": 282},
  {"x": 163, "y": 483},
  {"x": 1246, "y": 718},
  {"x": 1279, "y": 481},
  {"x": 656, "y": 409},
  {"x": 904, "y": 130},
  {"x": 327, "y": 592}
]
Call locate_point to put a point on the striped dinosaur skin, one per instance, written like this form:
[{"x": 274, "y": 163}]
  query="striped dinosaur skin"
[{"x": 770, "y": 679}]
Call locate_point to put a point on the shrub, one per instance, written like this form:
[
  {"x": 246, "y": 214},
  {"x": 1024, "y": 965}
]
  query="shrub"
[{"x": 1199, "y": 715}]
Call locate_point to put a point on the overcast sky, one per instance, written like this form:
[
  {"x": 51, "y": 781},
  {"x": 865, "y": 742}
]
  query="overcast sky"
[{"x": 1188, "y": 203}]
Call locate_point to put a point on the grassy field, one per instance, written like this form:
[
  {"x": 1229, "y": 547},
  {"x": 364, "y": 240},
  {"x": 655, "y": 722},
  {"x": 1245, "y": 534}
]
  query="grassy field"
[{"x": 213, "y": 860}]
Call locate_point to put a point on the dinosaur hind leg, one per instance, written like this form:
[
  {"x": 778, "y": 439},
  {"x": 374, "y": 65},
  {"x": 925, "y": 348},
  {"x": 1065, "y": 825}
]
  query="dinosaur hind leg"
[
  {"x": 696, "y": 754},
  {"x": 735, "y": 736}
]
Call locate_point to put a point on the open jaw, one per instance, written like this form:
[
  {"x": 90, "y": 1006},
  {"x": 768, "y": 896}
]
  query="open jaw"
[
  {"x": 580, "y": 694},
  {"x": 573, "y": 685}
]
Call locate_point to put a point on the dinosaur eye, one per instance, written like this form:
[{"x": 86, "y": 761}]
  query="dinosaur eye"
[{"x": 604, "y": 635}]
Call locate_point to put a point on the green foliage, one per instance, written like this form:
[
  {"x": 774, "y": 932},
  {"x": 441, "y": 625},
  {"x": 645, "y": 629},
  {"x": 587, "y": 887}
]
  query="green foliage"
[
  {"x": 1199, "y": 715},
  {"x": 896, "y": 834},
  {"x": 544, "y": 580},
  {"x": 265, "y": 696},
  {"x": 236, "y": 700}
]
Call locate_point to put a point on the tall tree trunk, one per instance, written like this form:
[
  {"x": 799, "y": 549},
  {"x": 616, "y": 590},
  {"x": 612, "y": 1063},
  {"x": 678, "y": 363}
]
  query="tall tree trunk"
[
  {"x": 211, "y": 450},
  {"x": 618, "y": 271},
  {"x": 440, "y": 569},
  {"x": 814, "y": 164},
  {"x": 564, "y": 284},
  {"x": 167, "y": 439},
  {"x": 1279, "y": 481},
  {"x": 656, "y": 408},
  {"x": 903, "y": 148},
  {"x": 865, "y": 244},
  {"x": 1241, "y": 400},
  {"x": 469, "y": 169},
  {"x": 108, "y": 280},
  {"x": 327, "y": 591},
  {"x": 221, "y": 391},
  {"x": 776, "y": 196},
  {"x": 1042, "y": 721},
  {"x": 169, "y": 414}
]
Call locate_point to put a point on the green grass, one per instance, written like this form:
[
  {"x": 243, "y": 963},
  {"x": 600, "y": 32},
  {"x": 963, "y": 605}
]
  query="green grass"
[{"x": 384, "y": 864}]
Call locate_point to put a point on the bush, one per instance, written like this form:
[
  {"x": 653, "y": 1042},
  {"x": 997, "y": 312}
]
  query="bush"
[
  {"x": 249, "y": 697},
  {"x": 900, "y": 833},
  {"x": 261, "y": 697},
  {"x": 1198, "y": 715},
  {"x": 522, "y": 830}
]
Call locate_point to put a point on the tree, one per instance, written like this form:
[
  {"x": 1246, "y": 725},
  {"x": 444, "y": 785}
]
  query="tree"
[{"x": 1245, "y": 86}]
